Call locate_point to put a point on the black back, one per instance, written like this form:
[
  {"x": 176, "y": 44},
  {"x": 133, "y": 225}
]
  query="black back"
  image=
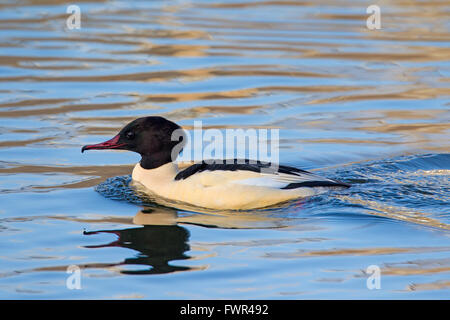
[{"x": 233, "y": 165}]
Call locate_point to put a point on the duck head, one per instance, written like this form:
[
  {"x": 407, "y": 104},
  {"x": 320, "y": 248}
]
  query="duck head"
[{"x": 156, "y": 139}]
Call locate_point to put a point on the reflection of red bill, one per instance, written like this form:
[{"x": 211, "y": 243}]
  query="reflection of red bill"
[{"x": 299, "y": 204}]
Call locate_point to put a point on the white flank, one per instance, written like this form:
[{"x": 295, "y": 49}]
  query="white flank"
[{"x": 222, "y": 189}]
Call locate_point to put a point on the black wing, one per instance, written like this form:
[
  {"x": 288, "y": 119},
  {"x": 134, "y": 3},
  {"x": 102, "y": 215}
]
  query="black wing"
[{"x": 260, "y": 167}]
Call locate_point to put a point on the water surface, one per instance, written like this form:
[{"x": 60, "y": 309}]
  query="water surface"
[{"x": 368, "y": 107}]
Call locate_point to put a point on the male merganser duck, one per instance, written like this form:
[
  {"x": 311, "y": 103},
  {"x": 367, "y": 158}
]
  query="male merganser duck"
[{"x": 224, "y": 185}]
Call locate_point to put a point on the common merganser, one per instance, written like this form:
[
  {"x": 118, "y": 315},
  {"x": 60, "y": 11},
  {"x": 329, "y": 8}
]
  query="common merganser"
[{"x": 223, "y": 185}]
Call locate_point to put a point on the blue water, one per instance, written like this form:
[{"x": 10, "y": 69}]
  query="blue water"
[{"x": 368, "y": 107}]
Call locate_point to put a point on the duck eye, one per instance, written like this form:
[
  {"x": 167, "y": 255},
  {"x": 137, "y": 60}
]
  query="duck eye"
[{"x": 130, "y": 135}]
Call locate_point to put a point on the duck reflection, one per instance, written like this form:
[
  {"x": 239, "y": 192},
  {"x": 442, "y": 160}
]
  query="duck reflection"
[
  {"x": 157, "y": 241},
  {"x": 161, "y": 238}
]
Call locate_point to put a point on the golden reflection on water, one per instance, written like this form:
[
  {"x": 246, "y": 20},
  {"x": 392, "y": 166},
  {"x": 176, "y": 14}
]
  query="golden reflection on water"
[
  {"x": 91, "y": 175},
  {"x": 355, "y": 252},
  {"x": 395, "y": 212},
  {"x": 319, "y": 73},
  {"x": 412, "y": 32}
]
